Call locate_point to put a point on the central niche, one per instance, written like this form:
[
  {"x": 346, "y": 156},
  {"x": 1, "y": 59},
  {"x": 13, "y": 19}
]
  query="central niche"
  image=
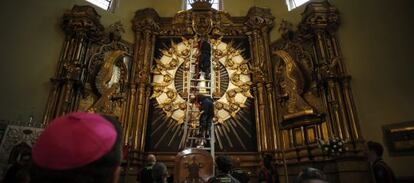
[{"x": 234, "y": 129}]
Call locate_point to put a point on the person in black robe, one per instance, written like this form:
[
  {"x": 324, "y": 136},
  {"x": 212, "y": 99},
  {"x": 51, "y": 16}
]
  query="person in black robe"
[
  {"x": 207, "y": 109},
  {"x": 267, "y": 172},
  {"x": 224, "y": 166},
  {"x": 145, "y": 174},
  {"x": 382, "y": 172},
  {"x": 205, "y": 58},
  {"x": 19, "y": 171},
  {"x": 238, "y": 173}
]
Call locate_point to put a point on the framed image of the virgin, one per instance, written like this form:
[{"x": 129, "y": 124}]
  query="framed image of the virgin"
[{"x": 399, "y": 138}]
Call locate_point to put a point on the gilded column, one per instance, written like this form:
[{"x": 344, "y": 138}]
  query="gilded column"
[
  {"x": 145, "y": 25},
  {"x": 81, "y": 26},
  {"x": 260, "y": 21},
  {"x": 348, "y": 101},
  {"x": 322, "y": 20}
]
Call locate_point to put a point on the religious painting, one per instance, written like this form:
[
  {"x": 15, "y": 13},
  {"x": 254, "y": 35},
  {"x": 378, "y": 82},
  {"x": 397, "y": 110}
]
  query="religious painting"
[
  {"x": 399, "y": 138},
  {"x": 233, "y": 109}
]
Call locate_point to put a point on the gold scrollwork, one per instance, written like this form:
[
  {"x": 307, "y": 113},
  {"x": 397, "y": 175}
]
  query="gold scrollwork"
[
  {"x": 292, "y": 84},
  {"x": 107, "y": 82}
]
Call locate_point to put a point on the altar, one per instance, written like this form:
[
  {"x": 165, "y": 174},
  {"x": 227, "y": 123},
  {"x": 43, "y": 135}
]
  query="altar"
[{"x": 282, "y": 99}]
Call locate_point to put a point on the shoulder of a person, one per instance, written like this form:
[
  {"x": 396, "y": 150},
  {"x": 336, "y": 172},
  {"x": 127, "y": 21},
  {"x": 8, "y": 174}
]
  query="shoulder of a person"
[
  {"x": 380, "y": 164},
  {"x": 234, "y": 180}
]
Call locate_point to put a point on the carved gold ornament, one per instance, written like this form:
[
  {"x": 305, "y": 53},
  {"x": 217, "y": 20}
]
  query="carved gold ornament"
[
  {"x": 107, "y": 82},
  {"x": 170, "y": 79}
]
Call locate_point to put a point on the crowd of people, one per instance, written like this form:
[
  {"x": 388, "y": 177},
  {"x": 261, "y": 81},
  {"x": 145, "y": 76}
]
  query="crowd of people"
[{"x": 86, "y": 148}]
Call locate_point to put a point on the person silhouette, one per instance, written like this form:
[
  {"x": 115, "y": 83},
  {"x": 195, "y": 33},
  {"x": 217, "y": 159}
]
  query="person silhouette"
[
  {"x": 206, "y": 117},
  {"x": 224, "y": 166},
  {"x": 382, "y": 172}
]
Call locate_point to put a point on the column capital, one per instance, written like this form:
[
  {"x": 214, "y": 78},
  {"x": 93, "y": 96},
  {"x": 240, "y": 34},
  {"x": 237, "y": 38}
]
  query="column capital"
[
  {"x": 146, "y": 20},
  {"x": 82, "y": 20},
  {"x": 260, "y": 18},
  {"x": 319, "y": 16}
]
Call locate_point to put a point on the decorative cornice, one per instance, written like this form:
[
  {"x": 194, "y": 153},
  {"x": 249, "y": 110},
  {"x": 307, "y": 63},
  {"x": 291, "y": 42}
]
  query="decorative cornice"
[
  {"x": 83, "y": 20},
  {"x": 146, "y": 19},
  {"x": 320, "y": 15},
  {"x": 201, "y": 4},
  {"x": 259, "y": 18}
]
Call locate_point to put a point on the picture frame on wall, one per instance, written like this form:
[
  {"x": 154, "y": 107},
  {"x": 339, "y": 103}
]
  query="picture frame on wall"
[{"x": 399, "y": 138}]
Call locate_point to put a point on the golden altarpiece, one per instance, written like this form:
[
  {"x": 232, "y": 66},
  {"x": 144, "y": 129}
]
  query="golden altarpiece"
[{"x": 278, "y": 98}]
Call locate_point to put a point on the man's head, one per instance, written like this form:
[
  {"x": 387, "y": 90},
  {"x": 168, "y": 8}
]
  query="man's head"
[
  {"x": 375, "y": 151},
  {"x": 78, "y": 147},
  {"x": 311, "y": 175},
  {"x": 224, "y": 164},
  {"x": 151, "y": 159},
  {"x": 159, "y": 172}
]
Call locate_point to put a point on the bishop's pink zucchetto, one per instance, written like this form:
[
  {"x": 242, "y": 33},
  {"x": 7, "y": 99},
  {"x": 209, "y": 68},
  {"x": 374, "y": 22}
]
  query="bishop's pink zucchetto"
[{"x": 74, "y": 140}]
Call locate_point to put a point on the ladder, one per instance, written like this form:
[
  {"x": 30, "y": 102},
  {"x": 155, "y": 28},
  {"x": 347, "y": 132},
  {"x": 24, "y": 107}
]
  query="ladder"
[{"x": 197, "y": 83}]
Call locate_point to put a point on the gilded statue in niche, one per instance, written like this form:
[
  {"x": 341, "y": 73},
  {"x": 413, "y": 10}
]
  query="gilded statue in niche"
[
  {"x": 296, "y": 78},
  {"x": 109, "y": 70},
  {"x": 107, "y": 82},
  {"x": 292, "y": 84}
]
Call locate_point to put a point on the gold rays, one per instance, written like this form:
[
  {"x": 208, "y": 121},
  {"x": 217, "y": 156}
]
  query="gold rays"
[{"x": 235, "y": 131}]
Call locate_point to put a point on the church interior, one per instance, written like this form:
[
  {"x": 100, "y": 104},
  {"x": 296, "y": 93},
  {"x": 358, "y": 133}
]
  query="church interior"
[{"x": 306, "y": 83}]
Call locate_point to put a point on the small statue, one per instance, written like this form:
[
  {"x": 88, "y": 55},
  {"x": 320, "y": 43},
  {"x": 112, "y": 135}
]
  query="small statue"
[
  {"x": 286, "y": 30},
  {"x": 115, "y": 31},
  {"x": 292, "y": 85}
]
